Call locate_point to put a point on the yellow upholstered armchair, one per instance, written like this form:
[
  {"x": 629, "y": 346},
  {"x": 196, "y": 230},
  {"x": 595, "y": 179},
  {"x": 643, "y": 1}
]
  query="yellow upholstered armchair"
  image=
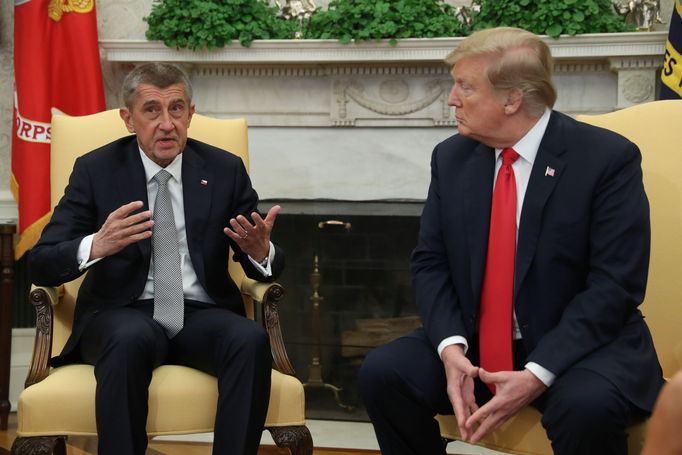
[
  {"x": 655, "y": 128},
  {"x": 58, "y": 402}
]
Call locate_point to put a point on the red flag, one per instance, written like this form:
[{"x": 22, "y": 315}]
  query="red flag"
[{"x": 56, "y": 65}]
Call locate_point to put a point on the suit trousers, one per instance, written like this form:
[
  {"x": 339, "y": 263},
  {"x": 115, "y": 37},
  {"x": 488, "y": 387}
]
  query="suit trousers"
[
  {"x": 126, "y": 344},
  {"x": 403, "y": 385}
]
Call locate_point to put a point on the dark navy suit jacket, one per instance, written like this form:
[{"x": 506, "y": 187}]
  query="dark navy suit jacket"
[
  {"x": 216, "y": 187},
  {"x": 582, "y": 253}
]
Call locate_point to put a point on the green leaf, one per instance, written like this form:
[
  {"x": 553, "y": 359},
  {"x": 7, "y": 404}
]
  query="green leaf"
[{"x": 553, "y": 30}]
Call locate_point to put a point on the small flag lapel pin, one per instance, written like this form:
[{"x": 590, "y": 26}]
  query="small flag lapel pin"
[
  {"x": 549, "y": 171},
  {"x": 205, "y": 182}
]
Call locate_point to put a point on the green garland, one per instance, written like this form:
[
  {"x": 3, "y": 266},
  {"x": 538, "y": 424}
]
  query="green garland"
[
  {"x": 210, "y": 24},
  {"x": 359, "y": 20},
  {"x": 201, "y": 24},
  {"x": 551, "y": 17}
]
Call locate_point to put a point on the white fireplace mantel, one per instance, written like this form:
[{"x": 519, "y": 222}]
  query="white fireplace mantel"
[
  {"x": 358, "y": 121},
  {"x": 431, "y": 50},
  {"x": 326, "y": 83}
]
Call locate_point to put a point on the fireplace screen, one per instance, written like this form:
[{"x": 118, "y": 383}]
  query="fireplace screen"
[{"x": 348, "y": 289}]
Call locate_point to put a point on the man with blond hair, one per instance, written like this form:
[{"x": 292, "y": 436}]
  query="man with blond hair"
[{"x": 530, "y": 265}]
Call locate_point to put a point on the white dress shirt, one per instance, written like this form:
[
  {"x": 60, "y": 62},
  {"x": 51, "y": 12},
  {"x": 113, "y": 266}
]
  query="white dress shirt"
[
  {"x": 193, "y": 290},
  {"x": 527, "y": 148}
]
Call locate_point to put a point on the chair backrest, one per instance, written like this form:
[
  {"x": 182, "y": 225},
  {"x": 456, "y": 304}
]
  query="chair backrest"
[
  {"x": 75, "y": 136},
  {"x": 654, "y": 128}
]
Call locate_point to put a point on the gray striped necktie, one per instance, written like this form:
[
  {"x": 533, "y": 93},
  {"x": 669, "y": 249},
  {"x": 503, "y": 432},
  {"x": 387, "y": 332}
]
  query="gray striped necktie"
[{"x": 168, "y": 295}]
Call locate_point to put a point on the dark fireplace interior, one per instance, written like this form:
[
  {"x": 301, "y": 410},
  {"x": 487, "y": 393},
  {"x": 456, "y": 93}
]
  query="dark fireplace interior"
[{"x": 364, "y": 295}]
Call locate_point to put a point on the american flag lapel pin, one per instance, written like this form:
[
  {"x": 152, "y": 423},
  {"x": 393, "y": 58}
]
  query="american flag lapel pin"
[
  {"x": 203, "y": 182},
  {"x": 549, "y": 171}
]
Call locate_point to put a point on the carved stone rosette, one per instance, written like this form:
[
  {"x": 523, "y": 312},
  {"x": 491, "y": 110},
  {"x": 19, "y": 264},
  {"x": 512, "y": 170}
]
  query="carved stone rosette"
[
  {"x": 636, "y": 79},
  {"x": 393, "y": 96}
]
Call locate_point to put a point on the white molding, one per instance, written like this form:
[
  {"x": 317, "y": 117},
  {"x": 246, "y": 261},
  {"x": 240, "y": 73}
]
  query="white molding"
[
  {"x": 319, "y": 112},
  {"x": 22, "y": 350},
  {"x": 8, "y": 207},
  {"x": 596, "y": 45}
]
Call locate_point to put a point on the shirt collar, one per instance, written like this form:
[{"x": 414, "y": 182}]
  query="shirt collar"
[
  {"x": 527, "y": 147},
  {"x": 151, "y": 168}
]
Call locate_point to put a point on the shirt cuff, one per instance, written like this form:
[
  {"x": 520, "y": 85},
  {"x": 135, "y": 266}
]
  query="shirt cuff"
[
  {"x": 83, "y": 255},
  {"x": 265, "y": 267},
  {"x": 543, "y": 374},
  {"x": 456, "y": 339}
]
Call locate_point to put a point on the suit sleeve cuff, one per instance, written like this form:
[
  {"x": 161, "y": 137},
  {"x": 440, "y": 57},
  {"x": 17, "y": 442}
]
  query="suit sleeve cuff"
[
  {"x": 452, "y": 340},
  {"x": 265, "y": 267},
  {"x": 83, "y": 255},
  {"x": 543, "y": 374}
]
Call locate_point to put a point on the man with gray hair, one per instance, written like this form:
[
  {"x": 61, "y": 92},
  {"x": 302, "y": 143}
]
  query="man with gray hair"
[
  {"x": 529, "y": 268},
  {"x": 151, "y": 217}
]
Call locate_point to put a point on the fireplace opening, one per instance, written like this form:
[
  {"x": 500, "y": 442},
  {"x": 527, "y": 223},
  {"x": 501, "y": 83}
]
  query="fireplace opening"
[{"x": 348, "y": 289}]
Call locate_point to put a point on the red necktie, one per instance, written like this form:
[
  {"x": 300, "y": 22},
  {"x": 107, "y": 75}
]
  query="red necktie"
[{"x": 495, "y": 330}]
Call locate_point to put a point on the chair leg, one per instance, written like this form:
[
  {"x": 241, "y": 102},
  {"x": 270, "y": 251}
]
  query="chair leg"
[
  {"x": 297, "y": 439},
  {"x": 39, "y": 445}
]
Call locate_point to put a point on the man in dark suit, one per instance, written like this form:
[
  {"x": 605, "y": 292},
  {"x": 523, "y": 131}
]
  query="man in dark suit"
[
  {"x": 145, "y": 303},
  {"x": 531, "y": 262}
]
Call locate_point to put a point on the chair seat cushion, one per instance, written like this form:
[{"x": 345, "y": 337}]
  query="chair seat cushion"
[
  {"x": 523, "y": 434},
  {"x": 181, "y": 401}
]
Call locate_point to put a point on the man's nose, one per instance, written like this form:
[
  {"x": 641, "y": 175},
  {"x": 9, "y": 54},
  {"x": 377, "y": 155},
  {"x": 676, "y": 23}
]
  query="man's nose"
[
  {"x": 165, "y": 122},
  {"x": 453, "y": 98}
]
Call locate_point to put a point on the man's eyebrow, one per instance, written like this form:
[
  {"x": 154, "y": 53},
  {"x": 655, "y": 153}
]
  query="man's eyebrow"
[{"x": 150, "y": 103}]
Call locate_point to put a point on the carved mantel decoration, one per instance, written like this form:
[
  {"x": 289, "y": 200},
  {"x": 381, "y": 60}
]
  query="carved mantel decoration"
[
  {"x": 358, "y": 121},
  {"x": 325, "y": 83}
]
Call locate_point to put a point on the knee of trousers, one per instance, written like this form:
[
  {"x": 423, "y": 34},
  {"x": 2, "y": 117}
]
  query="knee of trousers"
[
  {"x": 582, "y": 415},
  {"x": 137, "y": 340},
  {"x": 250, "y": 341},
  {"x": 376, "y": 375}
]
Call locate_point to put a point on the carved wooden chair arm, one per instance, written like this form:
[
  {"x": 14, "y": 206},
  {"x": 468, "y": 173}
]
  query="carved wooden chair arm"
[
  {"x": 270, "y": 294},
  {"x": 42, "y": 299}
]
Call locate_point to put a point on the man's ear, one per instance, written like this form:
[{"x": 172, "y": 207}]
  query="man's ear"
[
  {"x": 513, "y": 102},
  {"x": 127, "y": 119}
]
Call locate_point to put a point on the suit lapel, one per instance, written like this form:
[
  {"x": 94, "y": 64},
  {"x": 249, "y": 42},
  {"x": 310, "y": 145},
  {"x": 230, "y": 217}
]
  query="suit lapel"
[
  {"x": 477, "y": 195},
  {"x": 196, "y": 188},
  {"x": 132, "y": 184},
  {"x": 540, "y": 186}
]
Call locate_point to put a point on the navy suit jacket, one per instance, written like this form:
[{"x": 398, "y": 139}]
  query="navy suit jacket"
[
  {"x": 582, "y": 253},
  {"x": 216, "y": 187}
]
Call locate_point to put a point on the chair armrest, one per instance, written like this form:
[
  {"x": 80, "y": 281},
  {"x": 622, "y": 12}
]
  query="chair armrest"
[
  {"x": 269, "y": 294},
  {"x": 42, "y": 299},
  {"x": 257, "y": 289}
]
